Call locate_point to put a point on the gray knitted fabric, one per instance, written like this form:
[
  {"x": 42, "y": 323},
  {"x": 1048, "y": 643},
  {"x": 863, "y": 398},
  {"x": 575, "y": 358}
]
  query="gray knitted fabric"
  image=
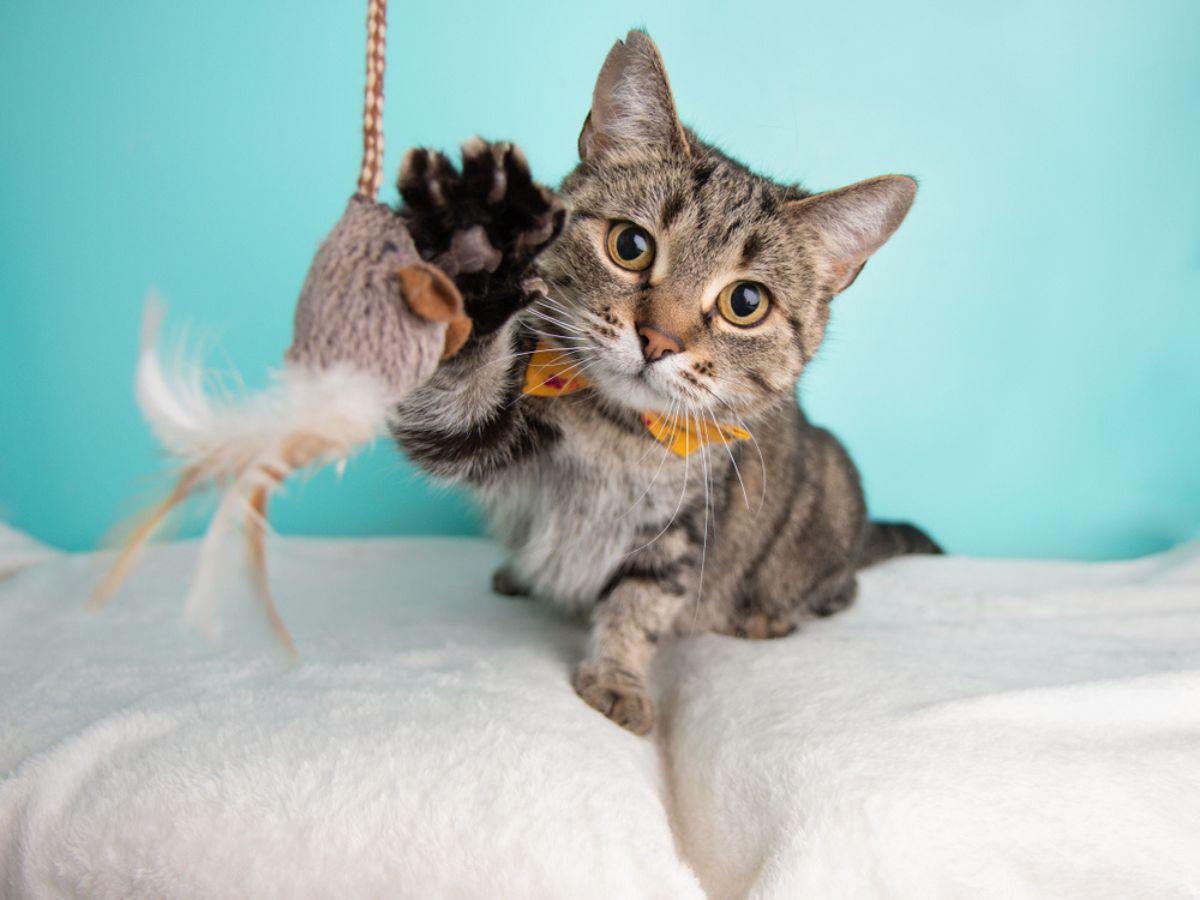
[{"x": 352, "y": 308}]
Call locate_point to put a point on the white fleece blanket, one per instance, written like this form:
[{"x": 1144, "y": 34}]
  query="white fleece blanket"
[{"x": 970, "y": 728}]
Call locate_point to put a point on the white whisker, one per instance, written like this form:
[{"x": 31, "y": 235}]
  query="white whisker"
[
  {"x": 753, "y": 440},
  {"x": 666, "y": 452},
  {"x": 567, "y": 373},
  {"x": 513, "y": 357},
  {"x": 678, "y": 506},
  {"x": 704, "y": 548},
  {"x": 571, "y": 339},
  {"x": 736, "y": 470},
  {"x": 546, "y": 317}
]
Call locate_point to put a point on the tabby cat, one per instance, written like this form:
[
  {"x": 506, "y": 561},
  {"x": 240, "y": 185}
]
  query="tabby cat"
[{"x": 666, "y": 482}]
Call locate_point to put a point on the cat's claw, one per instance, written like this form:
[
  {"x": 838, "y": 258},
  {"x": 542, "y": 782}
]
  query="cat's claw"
[{"x": 617, "y": 693}]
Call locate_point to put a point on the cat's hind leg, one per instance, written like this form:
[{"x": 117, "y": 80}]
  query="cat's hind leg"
[
  {"x": 756, "y": 620},
  {"x": 758, "y": 625}
]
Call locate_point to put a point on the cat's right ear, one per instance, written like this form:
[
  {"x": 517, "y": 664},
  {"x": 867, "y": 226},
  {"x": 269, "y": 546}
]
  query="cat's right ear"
[{"x": 633, "y": 112}]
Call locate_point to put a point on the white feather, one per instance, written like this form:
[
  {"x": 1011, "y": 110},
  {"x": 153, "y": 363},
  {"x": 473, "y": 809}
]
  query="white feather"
[
  {"x": 332, "y": 411},
  {"x": 245, "y": 445}
]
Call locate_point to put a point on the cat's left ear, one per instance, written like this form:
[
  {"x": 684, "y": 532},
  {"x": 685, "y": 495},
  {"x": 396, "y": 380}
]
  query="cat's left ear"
[{"x": 853, "y": 222}]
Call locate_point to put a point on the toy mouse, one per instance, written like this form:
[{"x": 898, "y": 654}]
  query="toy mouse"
[{"x": 372, "y": 323}]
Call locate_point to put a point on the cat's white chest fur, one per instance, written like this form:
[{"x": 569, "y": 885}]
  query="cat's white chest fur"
[{"x": 572, "y": 517}]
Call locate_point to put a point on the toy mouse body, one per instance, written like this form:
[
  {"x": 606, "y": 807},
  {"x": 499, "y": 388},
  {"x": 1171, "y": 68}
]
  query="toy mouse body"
[{"x": 370, "y": 301}]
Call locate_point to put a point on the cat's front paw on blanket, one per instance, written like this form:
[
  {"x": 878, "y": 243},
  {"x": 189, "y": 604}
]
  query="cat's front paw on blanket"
[
  {"x": 618, "y": 693},
  {"x": 482, "y": 225}
]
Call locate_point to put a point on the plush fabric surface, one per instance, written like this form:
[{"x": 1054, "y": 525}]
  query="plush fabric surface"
[
  {"x": 19, "y": 551},
  {"x": 970, "y": 728}
]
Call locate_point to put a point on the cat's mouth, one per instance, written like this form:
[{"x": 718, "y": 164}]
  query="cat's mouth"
[{"x": 613, "y": 363}]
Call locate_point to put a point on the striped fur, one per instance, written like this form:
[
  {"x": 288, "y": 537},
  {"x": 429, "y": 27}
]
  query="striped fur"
[{"x": 750, "y": 539}]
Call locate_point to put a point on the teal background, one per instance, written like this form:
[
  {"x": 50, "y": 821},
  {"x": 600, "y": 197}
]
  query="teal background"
[{"x": 1019, "y": 369}]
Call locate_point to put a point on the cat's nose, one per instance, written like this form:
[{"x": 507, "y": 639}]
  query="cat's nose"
[{"x": 656, "y": 344}]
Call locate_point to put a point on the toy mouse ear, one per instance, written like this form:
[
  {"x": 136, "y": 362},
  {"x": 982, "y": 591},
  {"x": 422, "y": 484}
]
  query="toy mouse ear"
[
  {"x": 633, "y": 111},
  {"x": 457, "y": 332},
  {"x": 430, "y": 294}
]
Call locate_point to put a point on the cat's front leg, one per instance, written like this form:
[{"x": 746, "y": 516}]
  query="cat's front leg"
[
  {"x": 626, "y": 628},
  {"x": 482, "y": 225}
]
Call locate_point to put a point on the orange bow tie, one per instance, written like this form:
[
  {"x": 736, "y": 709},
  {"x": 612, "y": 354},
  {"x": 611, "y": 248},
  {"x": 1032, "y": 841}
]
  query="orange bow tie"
[{"x": 551, "y": 373}]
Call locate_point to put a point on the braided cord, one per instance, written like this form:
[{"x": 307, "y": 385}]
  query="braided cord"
[{"x": 370, "y": 176}]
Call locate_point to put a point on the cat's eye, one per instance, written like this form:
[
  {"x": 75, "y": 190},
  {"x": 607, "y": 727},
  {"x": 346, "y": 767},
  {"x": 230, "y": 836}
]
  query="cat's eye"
[
  {"x": 630, "y": 246},
  {"x": 744, "y": 303}
]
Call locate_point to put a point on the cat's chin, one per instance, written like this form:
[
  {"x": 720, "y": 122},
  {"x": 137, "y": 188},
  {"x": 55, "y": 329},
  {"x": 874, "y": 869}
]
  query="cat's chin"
[{"x": 632, "y": 392}]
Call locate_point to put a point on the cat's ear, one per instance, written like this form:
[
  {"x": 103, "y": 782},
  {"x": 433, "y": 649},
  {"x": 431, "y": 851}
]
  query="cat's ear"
[
  {"x": 632, "y": 108},
  {"x": 853, "y": 222}
]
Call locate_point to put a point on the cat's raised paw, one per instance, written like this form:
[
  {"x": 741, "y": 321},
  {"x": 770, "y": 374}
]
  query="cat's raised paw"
[
  {"x": 482, "y": 226},
  {"x": 490, "y": 217},
  {"x": 616, "y": 692},
  {"x": 524, "y": 216}
]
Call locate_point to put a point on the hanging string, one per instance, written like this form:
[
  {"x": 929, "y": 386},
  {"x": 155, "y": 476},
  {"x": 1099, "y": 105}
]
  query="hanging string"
[{"x": 370, "y": 176}]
